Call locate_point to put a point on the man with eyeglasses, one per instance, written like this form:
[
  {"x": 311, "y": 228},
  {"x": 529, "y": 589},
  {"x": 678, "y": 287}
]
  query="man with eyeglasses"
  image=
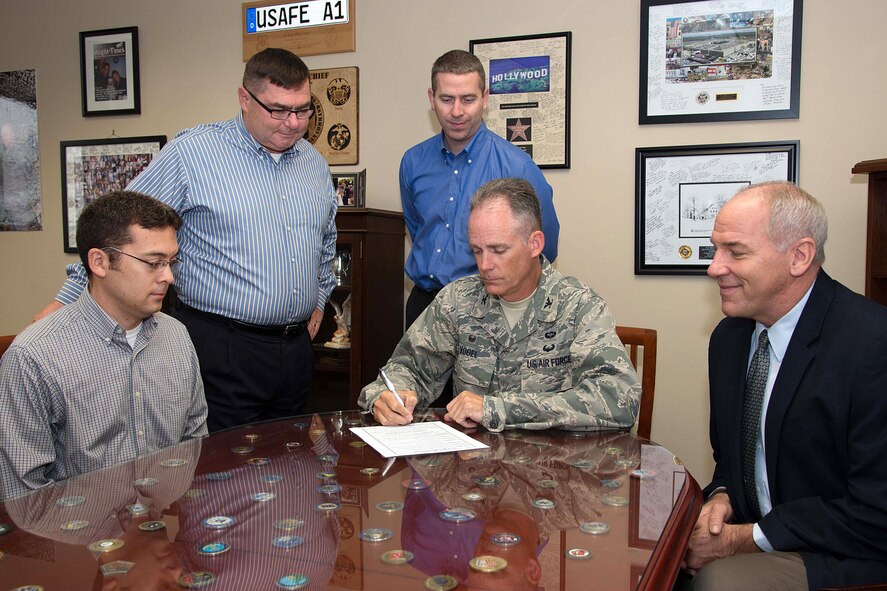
[
  {"x": 258, "y": 238},
  {"x": 109, "y": 377}
]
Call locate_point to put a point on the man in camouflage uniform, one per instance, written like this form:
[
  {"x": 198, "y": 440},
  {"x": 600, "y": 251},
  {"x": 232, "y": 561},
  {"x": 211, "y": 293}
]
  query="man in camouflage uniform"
[{"x": 526, "y": 346}]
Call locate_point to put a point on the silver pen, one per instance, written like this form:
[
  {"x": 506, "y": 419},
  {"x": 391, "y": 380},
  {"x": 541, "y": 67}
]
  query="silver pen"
[{"x": 390, "y": 387}]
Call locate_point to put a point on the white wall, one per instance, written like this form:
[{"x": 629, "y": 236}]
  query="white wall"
[{"x": 191, "y": 64}]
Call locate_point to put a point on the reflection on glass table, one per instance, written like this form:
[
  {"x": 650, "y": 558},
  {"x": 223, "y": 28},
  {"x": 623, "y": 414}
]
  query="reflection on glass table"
[{"x": 302, "y": 503}]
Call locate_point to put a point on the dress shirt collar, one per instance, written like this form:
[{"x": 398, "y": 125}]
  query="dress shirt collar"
[
  {"x": 471, "y": 149},
  {"x": 782, "y": 330},
  {"x": 255, "y": 146},
  {"x": 106, "y": 327}
]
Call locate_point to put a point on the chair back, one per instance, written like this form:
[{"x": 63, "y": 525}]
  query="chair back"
[
  {"x": 640, "y": 343},
  {"x": 5, "y": 341}
]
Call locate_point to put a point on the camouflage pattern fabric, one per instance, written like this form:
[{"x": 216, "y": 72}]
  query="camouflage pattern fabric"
[{"x": 561, "y": 365}]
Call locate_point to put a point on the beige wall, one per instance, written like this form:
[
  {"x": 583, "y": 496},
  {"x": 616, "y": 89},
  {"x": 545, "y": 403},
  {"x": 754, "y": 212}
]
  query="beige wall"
[{"x": 191, "y": 65}]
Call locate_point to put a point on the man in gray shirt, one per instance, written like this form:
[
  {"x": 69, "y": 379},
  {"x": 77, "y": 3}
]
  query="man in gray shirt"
[{"x": 109, "y": 377}]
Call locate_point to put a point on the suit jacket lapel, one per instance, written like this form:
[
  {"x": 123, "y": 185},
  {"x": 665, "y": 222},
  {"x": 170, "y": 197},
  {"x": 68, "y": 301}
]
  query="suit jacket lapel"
[{"x": 798, "y": 356}]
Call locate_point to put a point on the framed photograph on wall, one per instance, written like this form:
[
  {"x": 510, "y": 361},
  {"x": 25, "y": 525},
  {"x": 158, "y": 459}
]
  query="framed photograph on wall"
[
  {"x": 529, "y": 82},
  {"x": 91, "y": 168},
  {"x": 350, "y": 188},
  {"x": 720, "y": 60},
  {"x": 680, "y": 189},
  {"x": 109, "y": 72}
]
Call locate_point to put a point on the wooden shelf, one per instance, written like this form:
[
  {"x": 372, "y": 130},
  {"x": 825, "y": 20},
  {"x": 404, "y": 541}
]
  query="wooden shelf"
[
  {"x": 876, "y": 232},
  {"x": 376, "y": 241}
]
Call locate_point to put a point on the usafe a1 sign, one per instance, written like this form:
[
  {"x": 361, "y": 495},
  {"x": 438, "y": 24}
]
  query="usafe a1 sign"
[
  {"x": 306, "y": 28},
  {"x": 295, "y": 15}
]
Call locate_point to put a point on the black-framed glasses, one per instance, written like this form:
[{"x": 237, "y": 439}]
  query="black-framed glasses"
[
  {"x": 156, "y": 266},
  {"x": 282, "y": 114}
]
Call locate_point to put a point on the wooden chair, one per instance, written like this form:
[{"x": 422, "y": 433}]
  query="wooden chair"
[
  {"x": 645, "y": 340},
  {"x": 5, "y": 341}
]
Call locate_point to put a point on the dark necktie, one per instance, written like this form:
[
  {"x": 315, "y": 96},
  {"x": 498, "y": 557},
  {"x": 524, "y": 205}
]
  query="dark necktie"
[{"x": 755, "y": 385}]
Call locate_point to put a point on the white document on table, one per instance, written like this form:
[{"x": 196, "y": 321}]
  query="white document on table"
[{"x": 416, "y": 439}]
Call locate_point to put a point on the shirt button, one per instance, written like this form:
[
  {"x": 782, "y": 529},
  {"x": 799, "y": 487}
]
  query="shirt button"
[
  {"x": 451, "y": 198},
  {"x": 448, "y": 225},
  {"x": 141, "y": 432},
  {"x": 455, "y": 172},
  {"x": 431, "y": 276},
  {"x": 438, "y": 250},
  {"x": 138, "y": 394},
  {"x": 293, "y": 260},
  {"x": 469, "y": 162}
]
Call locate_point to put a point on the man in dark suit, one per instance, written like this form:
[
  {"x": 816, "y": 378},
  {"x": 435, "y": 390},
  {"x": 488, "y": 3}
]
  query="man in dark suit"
[{"x": 802, "y": 502}]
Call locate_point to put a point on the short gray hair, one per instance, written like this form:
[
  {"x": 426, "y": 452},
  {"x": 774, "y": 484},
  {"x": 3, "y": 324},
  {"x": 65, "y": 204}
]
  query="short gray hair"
[
  {"x": 794, "y": 214},
  {"x": 520, "y": 197}
]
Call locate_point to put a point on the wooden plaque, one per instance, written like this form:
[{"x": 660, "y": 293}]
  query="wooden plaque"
[{"x": 333, "y": 128}]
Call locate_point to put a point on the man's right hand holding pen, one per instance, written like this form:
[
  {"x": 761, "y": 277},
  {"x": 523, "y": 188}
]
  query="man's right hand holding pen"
[{"x": 394, "y": 407}]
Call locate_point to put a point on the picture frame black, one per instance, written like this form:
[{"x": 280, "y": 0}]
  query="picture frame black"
[
  {"x": 109, "y": 72},
  {"x": 528, "y": 78},
  {"x": 699, "y": 63},
  {"x": 350, "y": 188},
  {"x": 680, "y": 189},
  {"x": 91, "y": 168}
]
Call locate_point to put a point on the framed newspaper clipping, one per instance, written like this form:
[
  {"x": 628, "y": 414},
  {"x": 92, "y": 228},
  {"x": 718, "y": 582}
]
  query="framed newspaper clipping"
[
  {"x": 720, "y": 60},
  {"x": 109, "y": 72},
  {"x": 333, "y": 128},
  {"x": 528, "y": 79},
  {"x": 680, "y": 189},
  {"x": 91, "y": 168}
]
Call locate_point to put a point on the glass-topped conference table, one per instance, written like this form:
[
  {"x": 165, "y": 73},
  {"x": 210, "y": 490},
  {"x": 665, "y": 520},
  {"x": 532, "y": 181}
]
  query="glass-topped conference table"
[{"x": 303, "y": 503}]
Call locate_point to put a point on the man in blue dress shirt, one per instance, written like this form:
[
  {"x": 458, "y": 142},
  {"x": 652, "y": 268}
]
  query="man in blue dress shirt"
[
  {"x": 258, "y": 238},
  {"x": 439, "y": 176}
]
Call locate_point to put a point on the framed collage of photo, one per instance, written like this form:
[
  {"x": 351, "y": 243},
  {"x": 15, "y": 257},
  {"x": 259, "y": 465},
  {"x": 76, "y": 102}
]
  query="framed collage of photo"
[
  {"x": 719, "y": 60},
  {"x": 91, "y": 168},
  {"x": 109, "y": 72},
  {"x": 529, "y": 104},
  {"x": 680, "y": 189}
]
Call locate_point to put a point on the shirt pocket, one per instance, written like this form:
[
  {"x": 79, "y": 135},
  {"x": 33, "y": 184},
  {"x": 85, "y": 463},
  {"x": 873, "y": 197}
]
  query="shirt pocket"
[
  {"x": 548, "y": 363},
  {"x": 475, "y": 365}
]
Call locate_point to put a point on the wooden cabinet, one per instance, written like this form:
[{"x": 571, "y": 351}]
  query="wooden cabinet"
[
  {"x": 375, "y": 241},
  {"x": 876, "y": 234}
]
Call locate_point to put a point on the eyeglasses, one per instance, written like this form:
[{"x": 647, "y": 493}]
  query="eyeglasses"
[
  {"x": 283, "y": 114},
  {"x": 156, "y": 266}
]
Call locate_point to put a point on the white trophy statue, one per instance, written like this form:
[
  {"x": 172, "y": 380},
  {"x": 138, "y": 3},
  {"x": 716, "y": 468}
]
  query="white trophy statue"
[{"x": 342, "y": 336}]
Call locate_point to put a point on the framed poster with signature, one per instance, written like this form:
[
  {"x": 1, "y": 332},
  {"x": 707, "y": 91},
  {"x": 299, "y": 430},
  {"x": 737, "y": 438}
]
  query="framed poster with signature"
[
  {"x": 91, "y": 168},
  {"x": 680, "y": 189},
  {"x": 719, "y": 60},
  {"x": 333, "y": 128},
  {"x": 528, "y": 79}
]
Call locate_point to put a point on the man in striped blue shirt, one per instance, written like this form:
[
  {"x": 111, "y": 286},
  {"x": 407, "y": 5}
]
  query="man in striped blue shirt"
[
  {"x": 258, "y": 238},
  {"x": 108, "y": 378}
]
